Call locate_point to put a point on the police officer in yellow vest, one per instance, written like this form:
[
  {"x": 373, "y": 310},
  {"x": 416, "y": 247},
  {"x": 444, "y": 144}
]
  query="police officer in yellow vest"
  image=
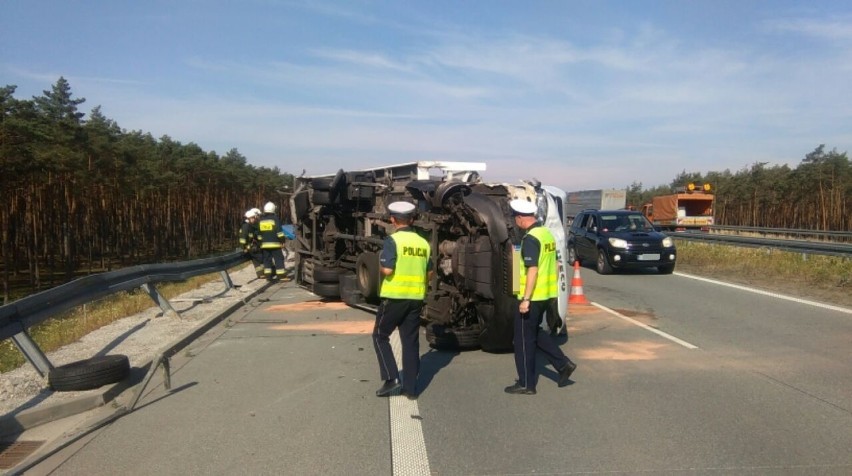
[
  {"x": 538, "y": 285},
  {"x": 405, "y": 268}
]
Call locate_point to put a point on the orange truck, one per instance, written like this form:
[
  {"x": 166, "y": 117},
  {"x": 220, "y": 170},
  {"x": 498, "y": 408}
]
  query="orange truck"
[{"x": 689, "y": 208}]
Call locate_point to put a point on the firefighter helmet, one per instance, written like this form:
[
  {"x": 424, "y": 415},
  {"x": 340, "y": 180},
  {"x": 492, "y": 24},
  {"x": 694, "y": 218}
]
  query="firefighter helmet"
[{"x": 269, "y": 207}]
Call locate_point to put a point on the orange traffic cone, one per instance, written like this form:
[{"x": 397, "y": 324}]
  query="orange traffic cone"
[{"x": 577, "y": 296}]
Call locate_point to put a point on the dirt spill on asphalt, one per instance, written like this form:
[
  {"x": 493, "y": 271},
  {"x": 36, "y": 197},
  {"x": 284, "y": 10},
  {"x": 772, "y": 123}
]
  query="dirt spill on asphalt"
[
  {"x": 633, "y": 350},
  {"x": 337, "y": 327},
  {"x": 309, "y": 306}
]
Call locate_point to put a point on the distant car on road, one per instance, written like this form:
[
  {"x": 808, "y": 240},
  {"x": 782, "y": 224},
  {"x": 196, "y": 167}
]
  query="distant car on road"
[{"x": 619, "y": 239}]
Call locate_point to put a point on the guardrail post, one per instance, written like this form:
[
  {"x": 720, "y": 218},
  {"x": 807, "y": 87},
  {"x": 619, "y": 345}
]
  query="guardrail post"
[
  {"x": 32, "y": 352},
  {"x": 167, "y": 373},
  {"x": 158, "y": 298},
  {"x": 227, "y": 278}
]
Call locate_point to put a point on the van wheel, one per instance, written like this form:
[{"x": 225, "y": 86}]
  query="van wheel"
[
  {"x": 603, "y": 266},
  {"x": 367, "y": 270},
  {"x": 89, "y": 373},
  {"x": 322, "y": 197},
  {"x": 667, "y": 269},
  {"x": 572, "y": 254},
  {"x": 452, "y": 338},
  {"x": 327, "y": 290},
  {"x": 326, "y": 275}
]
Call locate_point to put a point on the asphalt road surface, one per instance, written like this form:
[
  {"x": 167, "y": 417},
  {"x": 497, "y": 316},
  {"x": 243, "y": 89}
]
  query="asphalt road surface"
[{"x": 675, "y": 376}]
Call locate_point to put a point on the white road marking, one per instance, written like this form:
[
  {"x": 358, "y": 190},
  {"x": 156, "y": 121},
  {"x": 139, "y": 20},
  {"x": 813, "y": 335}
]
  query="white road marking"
[
  {"x": 770, "y": 294},
  {"x": 408, "y": 447},
  {"x": 646, "y": 327}
]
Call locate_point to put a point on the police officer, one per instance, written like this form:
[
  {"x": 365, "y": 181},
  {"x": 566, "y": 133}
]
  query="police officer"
[
  {"x": 249, "y": 233},
  {"x": 538, "y": 285},
  {"x": 271, "y": 238},
  {"x": 405, "y": 268}
]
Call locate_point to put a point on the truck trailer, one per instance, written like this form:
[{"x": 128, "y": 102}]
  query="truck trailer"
[
  {"x": 603, "y": 199},
  {"x": 689, "y": 208},
  {"x": 342, "y": 220}
]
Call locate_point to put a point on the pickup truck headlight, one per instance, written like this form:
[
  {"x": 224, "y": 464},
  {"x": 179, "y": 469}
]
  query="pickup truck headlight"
[
  {"x": 618, "y": 243},
  {"x": 667, "y": 242}
]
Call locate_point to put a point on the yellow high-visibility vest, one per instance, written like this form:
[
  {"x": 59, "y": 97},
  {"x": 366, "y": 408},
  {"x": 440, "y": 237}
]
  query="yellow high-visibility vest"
[
  {"x": 408, "y": 280},
  {"x": 546, "y": 282}
]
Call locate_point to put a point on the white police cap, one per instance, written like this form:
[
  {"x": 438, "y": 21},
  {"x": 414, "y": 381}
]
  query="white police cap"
[
  {"x": 401, "y": 209},
  {"x": 522, "y": 207}
]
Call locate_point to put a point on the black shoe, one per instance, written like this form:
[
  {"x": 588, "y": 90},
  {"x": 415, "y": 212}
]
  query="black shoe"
[
  {"x": 518, "y": 390},
  {"x": 388, "y": 388},
  {"x": 565, "y": 373}
]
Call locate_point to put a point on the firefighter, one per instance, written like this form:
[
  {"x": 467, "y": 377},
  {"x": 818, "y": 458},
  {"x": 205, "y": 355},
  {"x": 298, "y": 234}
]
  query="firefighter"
[
  {"x": 538, "y": 285},
  {"x": 271, "y": 239},
  {"x": 249, "y": 240}
]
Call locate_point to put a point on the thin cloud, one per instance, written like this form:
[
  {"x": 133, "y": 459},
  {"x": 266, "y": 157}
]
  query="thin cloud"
[
  {"x": 834, "y": 28},
  {"x": 359, "y": 58}
]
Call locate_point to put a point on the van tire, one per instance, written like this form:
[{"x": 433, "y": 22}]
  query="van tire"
[
  {"x": 452, "y": 338},
  {"x": 572, "y": 254},
  {"x": 323, "y": 274},
  {"x": 367, "y": 270},
  {"x": 322, "y": 197},
  {"x": 326, "y": 290}
]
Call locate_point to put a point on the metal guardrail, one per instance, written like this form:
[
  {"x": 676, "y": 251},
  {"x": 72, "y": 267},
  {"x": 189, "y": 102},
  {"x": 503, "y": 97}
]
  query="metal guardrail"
[
  {"x": 799, "y": 246},
  {"x": 17, "y": 317},
  {"x": 842, "y": 235}
]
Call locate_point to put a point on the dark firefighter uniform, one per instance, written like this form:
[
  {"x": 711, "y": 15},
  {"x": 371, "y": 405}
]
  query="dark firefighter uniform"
[
  {"x": 271, "y": 239},
  {"x": 538, "y": 249},
  {"x": 248, "y": 237},
  {"x": 402, "y": 295}
]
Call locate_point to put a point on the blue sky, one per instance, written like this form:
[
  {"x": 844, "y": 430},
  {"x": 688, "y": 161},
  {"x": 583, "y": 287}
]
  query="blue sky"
[{"x": 579, "y": 94}]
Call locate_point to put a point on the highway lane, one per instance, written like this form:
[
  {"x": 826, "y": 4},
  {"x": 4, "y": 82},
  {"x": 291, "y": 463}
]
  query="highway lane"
[
  {"x": 806, "y": 347},
  {"x": 288, "y": 389}
]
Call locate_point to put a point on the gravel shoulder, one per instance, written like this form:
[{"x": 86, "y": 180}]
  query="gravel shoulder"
[{"x": 140, "y": 337}]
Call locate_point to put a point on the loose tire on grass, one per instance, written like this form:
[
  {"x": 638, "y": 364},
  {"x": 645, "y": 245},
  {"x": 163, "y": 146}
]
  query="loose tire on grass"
[
  {"x": 448, "y": 338},
  {"x": 89, "y": 373}
]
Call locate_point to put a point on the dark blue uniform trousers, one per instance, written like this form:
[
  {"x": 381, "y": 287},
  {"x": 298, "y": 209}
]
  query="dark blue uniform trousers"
[
  {"x": 405, "y": 315},
  {"x": 529, "y": 337}
]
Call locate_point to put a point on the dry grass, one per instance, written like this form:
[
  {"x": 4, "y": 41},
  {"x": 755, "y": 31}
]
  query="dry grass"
[
  {"x": 821, "y": 278},
  {"x": 67, "y": 328}
]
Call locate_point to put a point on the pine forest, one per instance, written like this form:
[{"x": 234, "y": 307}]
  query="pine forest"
[{"x": 81, "y": 195}]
